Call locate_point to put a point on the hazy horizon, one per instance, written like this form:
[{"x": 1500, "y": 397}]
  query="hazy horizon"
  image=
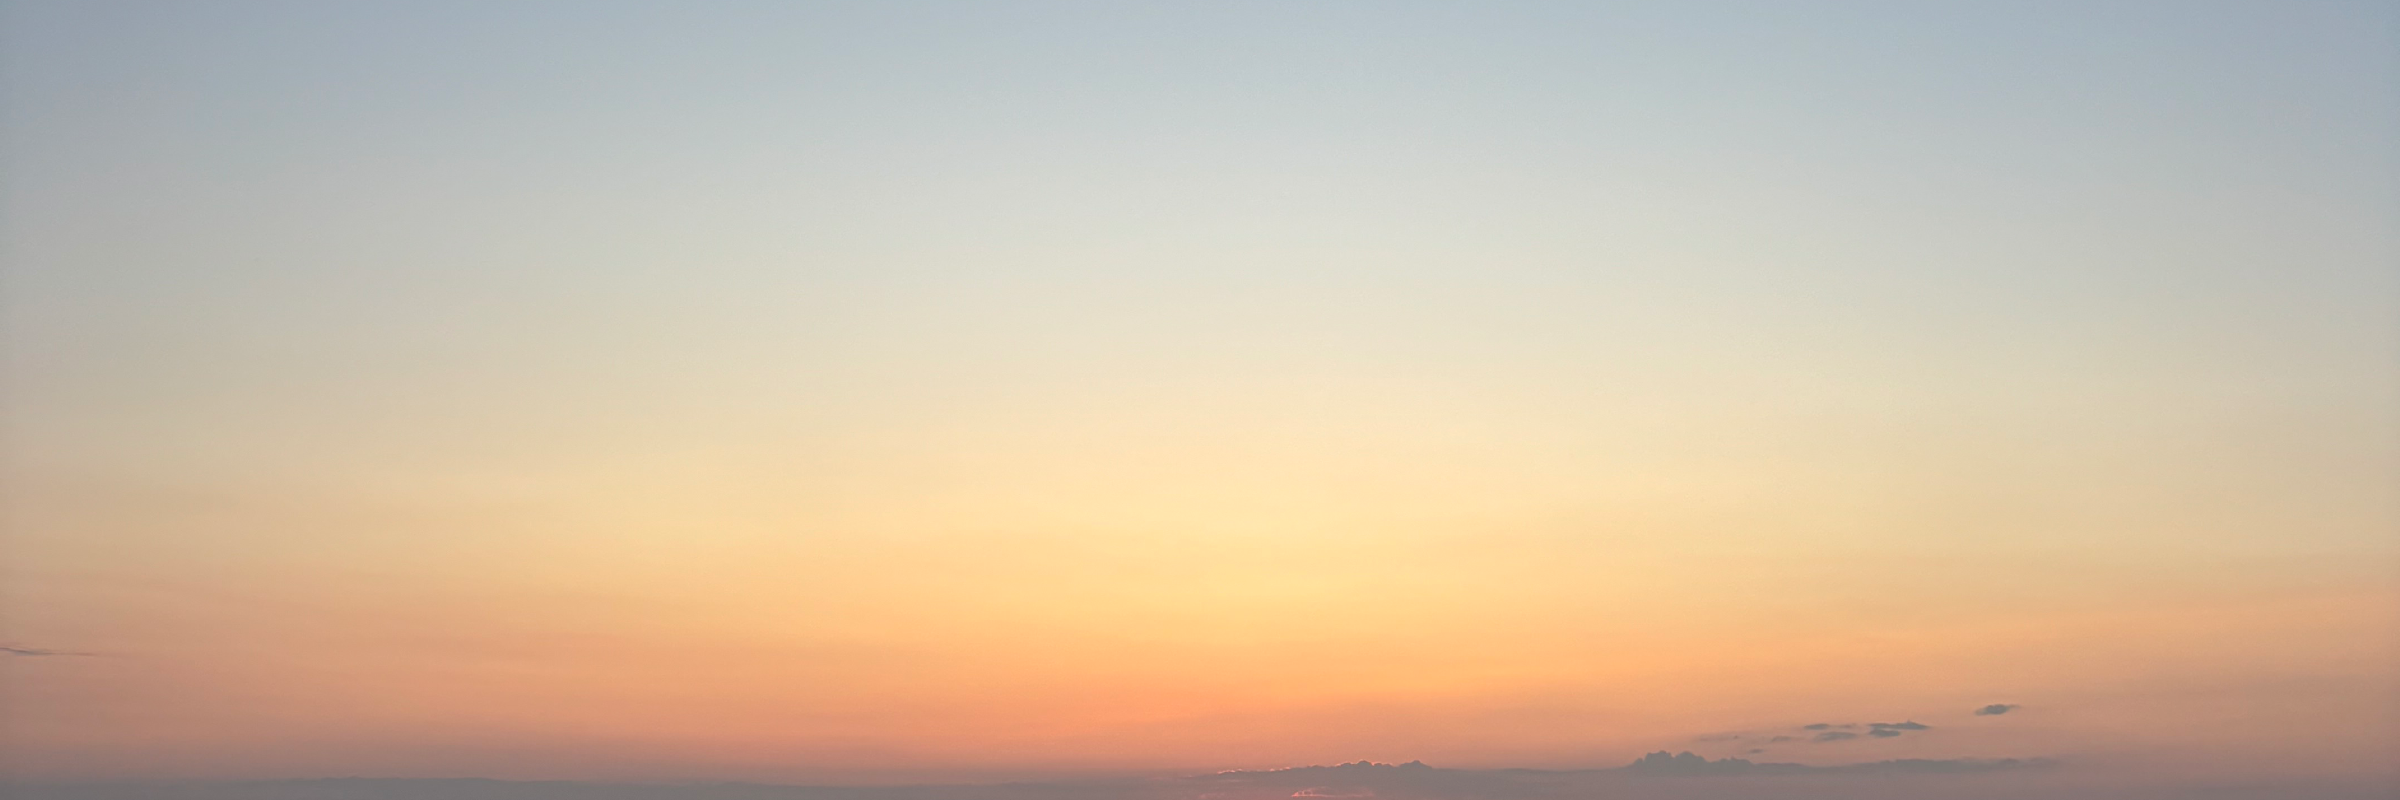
[
  {"x": 884, "y": 393},
  {"x": 1657, "y": 776}
]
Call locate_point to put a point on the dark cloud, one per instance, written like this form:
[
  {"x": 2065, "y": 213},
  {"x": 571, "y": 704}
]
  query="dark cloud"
[
  {"x": 35, "y": 652},
  {"x": 1835, "y": 732},
  {"x": 1665, "y": 763},
  {"x": 1886, "y": 730},
  {"x": 1687, "y": 764},
  {"x": 1942, "y": 765},
  {"x": 1995, "y": 709}
]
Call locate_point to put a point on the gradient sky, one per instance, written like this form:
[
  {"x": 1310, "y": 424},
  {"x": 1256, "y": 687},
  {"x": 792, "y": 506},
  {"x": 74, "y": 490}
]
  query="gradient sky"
[{"x": 898, "y": 392}]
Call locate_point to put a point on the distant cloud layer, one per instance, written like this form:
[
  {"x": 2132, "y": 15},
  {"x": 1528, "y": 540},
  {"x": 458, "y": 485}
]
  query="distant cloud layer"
[
  {"x": 1663, "y": 763},
  {"x": 1644, "y": 777},
  {"x": 1995, "y": 709},
  {"x": 35, "y": 652}
]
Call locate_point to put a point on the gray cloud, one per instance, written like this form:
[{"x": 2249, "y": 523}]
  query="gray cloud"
[
  {"x": 1886, "y": 730},
  {"x": 1687, "y": 764},
  {"x": 36, "y": 652},
  {"x": 1835, "y": 732},
  {"x": 1995, "y": 709},
  {"x": 1942, "y": 765}
]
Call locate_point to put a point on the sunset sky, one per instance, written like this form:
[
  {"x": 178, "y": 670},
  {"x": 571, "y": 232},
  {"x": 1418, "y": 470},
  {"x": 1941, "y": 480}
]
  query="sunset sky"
[{"x": 894, "y": 392}]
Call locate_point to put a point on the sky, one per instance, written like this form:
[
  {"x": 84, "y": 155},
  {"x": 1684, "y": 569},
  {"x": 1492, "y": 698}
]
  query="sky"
[{"x": 902, "y": 393}]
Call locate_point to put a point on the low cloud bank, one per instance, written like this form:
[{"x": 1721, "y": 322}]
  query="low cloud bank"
[{"x": 1688, "y": 764}]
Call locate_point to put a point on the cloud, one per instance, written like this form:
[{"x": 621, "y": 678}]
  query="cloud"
[
  {"x": 36, "y": 652},
  {"x": 1886, "y": 730},
  {"x": 1996, "y": 709},
  {"x": 1688, "y": 765},
  {"x": 1942, "y": 766},
  {"x": 1835, "y": 732}
]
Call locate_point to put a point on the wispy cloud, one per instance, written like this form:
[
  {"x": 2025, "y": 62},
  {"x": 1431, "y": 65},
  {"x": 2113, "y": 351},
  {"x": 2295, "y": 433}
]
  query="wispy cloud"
[
  {"x": 1815, "y": 732},
  {"x": 1886, "y": 730},
  {"x": 37, "y": 652}
]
